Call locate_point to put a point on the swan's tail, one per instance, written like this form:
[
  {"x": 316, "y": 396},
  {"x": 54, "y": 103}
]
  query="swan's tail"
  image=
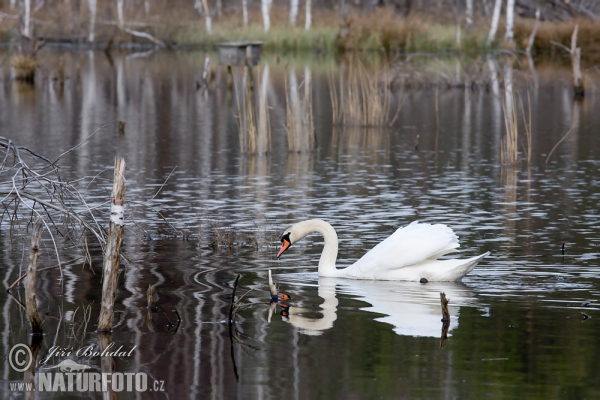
[
  {"x": 468, "y": 265},
  {"x": 450, "y": 270}
]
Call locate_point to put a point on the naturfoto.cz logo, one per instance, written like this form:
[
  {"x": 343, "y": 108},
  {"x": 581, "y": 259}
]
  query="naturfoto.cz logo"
[{"x": 70, "y": 376}]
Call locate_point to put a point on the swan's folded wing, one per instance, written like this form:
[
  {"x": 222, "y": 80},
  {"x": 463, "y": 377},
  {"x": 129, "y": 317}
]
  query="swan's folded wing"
[{"x": 409, "y": 245}]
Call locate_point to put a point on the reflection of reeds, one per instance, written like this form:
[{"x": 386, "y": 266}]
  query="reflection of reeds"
[
  {"x": 299, "y": 115},
  {"x": 364, "y": 97},
  {"x": 509, "y": 151},
  {"x": 509, "y": 148},
  {"x": 254, "y": 128}
]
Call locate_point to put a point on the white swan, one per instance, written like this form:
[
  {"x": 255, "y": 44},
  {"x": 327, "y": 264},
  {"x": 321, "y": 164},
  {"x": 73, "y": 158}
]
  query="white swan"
[{"x": 410, "y": 254}]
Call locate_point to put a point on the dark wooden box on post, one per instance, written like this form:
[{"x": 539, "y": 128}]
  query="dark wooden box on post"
[{"x": 239, "y": 53}]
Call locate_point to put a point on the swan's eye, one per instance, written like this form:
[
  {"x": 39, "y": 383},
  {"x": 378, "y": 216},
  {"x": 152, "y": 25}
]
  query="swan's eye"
[{"x": 286, "y": 236}]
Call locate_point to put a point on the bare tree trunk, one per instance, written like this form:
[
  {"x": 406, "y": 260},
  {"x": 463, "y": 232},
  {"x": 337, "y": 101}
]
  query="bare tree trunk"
[
  {"x": 308, "y": 22},
  {"x": 293, "y": 12},
  {"x": 25, "y": 18},
  {"x": 266, "y": 13},
  {"x": 93, "y": 7},
  {"x": 469, "y": 13},
  {"x": 245, "y": 11},
  {"x": 533, "y": 32},
  {"x": 120, "y": 13},
  {"x": 495, "y": 19},
  {"x": 207, "y": 17},
  {"x": 510, "y": 21}
]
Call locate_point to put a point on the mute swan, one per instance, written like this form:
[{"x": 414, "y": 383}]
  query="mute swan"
[{"x": 409, "y": 254}]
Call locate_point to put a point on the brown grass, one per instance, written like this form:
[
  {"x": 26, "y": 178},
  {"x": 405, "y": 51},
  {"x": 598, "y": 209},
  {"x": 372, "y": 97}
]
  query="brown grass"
[
  {"x": 24, "y": 67},
  {"x": 560, "y": 31}
]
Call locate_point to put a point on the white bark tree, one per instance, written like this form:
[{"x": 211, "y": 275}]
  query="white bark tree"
[
  {"x": 25, "y": 14},
  {"x": 120, "y": 13},
  {"x": 510, "y": 21},
  {"x": 198, "y": 6},
  {"x": 207, "y": 17},
  {"x": 308, "y": 22},
  {"x": 469, "y": 13},
  {"x": 93, "y": 7},
  {"x": 495, "y": 19},
  {"x": 245, "y": 11},
  {"x": 293, "y": 12},
  {"x": 266, "y": 13}
]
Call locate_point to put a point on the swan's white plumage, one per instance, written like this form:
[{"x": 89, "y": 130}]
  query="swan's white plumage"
[{"x": 409, "y": 254}]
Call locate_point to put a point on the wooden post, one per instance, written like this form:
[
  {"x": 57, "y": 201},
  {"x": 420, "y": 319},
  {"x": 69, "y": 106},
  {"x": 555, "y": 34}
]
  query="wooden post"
[
  {"x": 445, "y": 312},
  {"x": 575, "y": 60},
  {"x": 111, "y": 254},
  {"x": 445, "y": 319},
  {"x": 30, "y": 302}
]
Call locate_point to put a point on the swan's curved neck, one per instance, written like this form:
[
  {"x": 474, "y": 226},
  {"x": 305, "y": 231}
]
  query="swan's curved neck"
[{"x": 330, "y": 249}]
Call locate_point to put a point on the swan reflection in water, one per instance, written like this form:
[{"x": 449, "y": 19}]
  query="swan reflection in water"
[{"x": 413, "y": 309}]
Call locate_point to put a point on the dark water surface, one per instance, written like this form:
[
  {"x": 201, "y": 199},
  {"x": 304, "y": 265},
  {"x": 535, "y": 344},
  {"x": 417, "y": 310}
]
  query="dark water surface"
[{"x": 517, "y": 328}]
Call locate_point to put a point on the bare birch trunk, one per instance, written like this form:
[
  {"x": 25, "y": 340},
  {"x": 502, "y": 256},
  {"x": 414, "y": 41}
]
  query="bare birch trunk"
[
  {"x": 112, "y": 252},
  {"x": 207, "y": 18},
  {"x": 26, "y": 19},
  {"x": 495, "y": 20},
  {"x": 469, "y": 13},
  {"x": 510, "y": 21},
  {"x": 120, "y": 13},
  {"x": 308, "y": 21},
  {"x": 266, "y": 14},
  {"x": 93, "y": 7},
  {"x": 533, "y": 32},
  {"x": 245, "y": 12},
  {"x": 293, "y": 12}
]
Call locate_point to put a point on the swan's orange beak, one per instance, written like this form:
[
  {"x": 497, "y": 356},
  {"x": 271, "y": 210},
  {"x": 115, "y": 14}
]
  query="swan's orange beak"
[{"x": 285, "y": 244}]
